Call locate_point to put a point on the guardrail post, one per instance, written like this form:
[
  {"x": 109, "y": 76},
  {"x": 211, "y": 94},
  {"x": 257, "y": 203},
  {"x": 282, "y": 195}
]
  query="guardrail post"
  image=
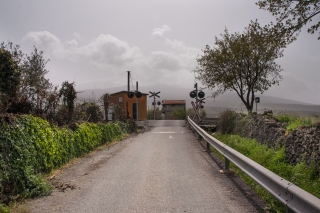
[
  {"x": 226, "y": 163},
  {"x": 199, "y": 136},
  {"x": 288, "y": 210},
  {"x": 208, "y": 146}
]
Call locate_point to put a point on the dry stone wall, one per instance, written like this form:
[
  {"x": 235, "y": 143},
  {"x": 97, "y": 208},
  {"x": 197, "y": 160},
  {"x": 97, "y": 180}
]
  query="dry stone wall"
[{"x": 302, "y": 143}]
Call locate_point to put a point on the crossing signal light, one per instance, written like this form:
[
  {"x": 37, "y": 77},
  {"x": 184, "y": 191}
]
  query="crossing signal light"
[
  {"x": 201, "y": 94},
  {"x": 193, "y": 94},
  {"x": 138, "y": 94},
  {"x": 130, "y": 94}
]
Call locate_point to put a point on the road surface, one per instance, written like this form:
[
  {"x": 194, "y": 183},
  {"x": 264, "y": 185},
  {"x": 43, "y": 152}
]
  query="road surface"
[{"x": 162, "y": 170}]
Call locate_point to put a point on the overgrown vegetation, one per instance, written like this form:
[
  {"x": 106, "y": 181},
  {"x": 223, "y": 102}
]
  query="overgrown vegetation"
[
  {"x": 154, "y": 114},
  {"x": 295, "y": 121},
  {"x": 303, "y": 175},
  {"x": 179, "y": 113},
  {"x": 227, "y": 122},
  {"x": 30, "y": 146},
  {"x": 31, "y": 109},
  {"x": 231, "y": 122}
]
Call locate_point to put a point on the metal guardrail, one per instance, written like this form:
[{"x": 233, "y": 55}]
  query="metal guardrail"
[{"x": 294, "y": 198}]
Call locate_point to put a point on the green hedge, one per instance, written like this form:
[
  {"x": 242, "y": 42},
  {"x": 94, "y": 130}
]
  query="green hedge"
[{"x": 30, "y": 146}]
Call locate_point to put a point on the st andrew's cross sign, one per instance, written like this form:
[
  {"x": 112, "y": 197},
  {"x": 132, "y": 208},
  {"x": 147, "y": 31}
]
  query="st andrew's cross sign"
[{"x": 196, "y": 111}]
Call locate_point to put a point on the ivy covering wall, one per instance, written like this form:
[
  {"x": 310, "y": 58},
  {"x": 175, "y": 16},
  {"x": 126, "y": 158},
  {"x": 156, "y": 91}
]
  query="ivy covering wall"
[{"x": 30, "y": 146}]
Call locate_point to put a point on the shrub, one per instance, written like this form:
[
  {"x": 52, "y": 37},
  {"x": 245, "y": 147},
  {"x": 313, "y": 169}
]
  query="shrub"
[
  {"x": 157, "y": 114},
  {"x": 179, "y": 113},
  {"x": 227, "y": 122},
  {"x": 30, "y": 146},
  {"x": 295, "y": 121}
]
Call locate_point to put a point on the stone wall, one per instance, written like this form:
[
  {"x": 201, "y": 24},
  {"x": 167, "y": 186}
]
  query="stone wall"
[
  {"x": 266, "y": 130},
  {"x": 302, "y": 143}
]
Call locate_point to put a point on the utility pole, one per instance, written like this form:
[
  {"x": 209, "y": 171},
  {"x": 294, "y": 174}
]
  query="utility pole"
[
  {"x": 131, "y": 95},
  {"x": 128, "y": 91},
  {"x": 128, "y": 81},
  {"x": 137, "y": 102},
  {"x": 196, "y": 87}
]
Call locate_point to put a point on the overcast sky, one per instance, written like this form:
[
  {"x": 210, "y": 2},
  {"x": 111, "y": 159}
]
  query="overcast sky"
[{"x": 94, "y": 42}]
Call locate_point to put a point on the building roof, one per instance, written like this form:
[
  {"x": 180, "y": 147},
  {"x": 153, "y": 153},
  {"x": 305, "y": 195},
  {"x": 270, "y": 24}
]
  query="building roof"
[
  {"x": 126, "y": 93},
  {"x": 177, "y": 102}
]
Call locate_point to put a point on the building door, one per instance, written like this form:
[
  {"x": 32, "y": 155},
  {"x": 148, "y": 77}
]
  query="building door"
[
  {"x": 110, "y": 112},
  {"x": 134, "y": 111}
]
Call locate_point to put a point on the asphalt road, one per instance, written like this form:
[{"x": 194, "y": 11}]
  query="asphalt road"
[{"x": 162, "y": 170}]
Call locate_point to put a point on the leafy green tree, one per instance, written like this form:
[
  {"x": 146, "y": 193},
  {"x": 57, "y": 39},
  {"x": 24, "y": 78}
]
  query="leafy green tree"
[
  {"x": 244, "y": 63},
  {"x": 35, "y": 93},
  {"x": 9, "y": 78},
  {"x": 43, "y": 95},
  {"x": 94, "y": 113},
  {"x": 34, "y": 71},
  {"x": 16, "y": 56},
  {"x": 68, "y": 95},
  {"x": 179, "y": 113},
  {"x": 88, "y": 111},
  {"x": 294, "y": 13},
  {"x": 15, "y": 51}
]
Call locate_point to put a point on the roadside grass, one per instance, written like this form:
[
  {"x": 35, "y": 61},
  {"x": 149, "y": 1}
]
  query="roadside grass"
[
  {"x": 274, "y": 160},
  {"x": 4, "y": 208},
  {"x": 296, "y": 120}
]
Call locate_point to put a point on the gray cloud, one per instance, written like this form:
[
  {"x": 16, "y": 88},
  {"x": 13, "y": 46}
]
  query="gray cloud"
[
  {"x": 165, "y": 60},
  {"x": 46, "y": 41},
  {"x": 106, "y": 52},
  {"x": 159, "y": 32}
]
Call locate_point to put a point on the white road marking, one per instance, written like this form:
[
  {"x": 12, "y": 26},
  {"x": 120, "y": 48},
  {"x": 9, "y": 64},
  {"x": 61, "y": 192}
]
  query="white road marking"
[{"x": 165, "y": 132}]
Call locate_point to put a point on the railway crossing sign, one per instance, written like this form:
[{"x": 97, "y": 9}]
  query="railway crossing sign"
[
  {"x": 154, "y": 94},
  {"x": 199, "y": 96},
  {"x": 196, "y": 111}
]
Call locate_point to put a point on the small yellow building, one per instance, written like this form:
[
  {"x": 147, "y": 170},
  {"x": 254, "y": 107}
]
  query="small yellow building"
[{"x": 129, "y": 105}]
